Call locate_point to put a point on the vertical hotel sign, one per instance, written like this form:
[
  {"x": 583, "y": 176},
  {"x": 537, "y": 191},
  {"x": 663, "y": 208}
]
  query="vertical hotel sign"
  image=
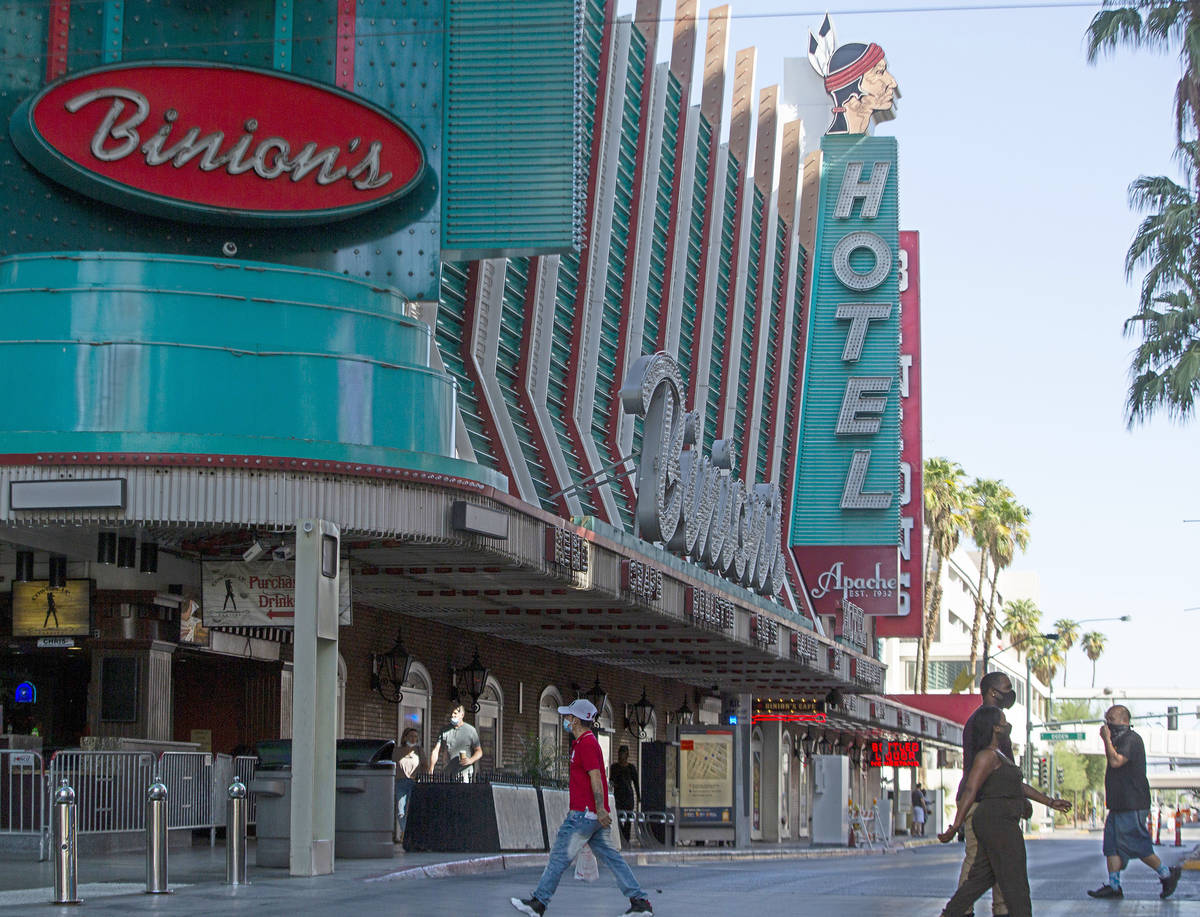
[
  {"x": 846, "y": 518},
  {"x": 912, "y": 484}
]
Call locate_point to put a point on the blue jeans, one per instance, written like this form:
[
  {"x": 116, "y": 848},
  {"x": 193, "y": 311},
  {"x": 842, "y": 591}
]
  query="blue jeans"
[{"x": 576, "y": 831}]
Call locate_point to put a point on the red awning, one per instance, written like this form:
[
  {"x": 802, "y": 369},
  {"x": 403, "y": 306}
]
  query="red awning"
[{"x": 956, "y": 707}]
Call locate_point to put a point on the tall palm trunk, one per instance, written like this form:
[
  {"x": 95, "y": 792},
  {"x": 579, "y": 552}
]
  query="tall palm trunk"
[
  {"x": 1093, "y": 673},
  {"x": 983, "y": 558},
  {"x": 991, "y": 611},
  {"x": 933, "y": 589}
]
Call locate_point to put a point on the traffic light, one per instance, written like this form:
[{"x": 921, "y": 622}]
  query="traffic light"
[
  {"x": 1043, "y": 771},
  {"x": 1173, "y": 718},
  {"x": 1058, "y": 774}
]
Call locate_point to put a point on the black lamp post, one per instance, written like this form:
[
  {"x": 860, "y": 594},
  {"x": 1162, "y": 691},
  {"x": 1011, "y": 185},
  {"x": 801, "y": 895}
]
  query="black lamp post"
[
  {"x": 642, "y": 711},
  {"x": 684, "y": 714},
  {"x": 597, "y": 695},
  {"x": 475, "y": 678},
  {"x": 390, "y": 670}
]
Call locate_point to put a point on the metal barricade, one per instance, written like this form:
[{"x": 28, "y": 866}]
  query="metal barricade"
[
  {"x": 188, "y": 778},
  {"x": 244, "y": 767},
  {"x": 23, "y": 796},
  {"x": 110, "y": 787}
]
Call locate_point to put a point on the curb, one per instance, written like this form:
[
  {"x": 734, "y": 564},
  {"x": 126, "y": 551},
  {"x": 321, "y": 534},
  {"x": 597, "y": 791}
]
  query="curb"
[{"x": 494, "y": 863}]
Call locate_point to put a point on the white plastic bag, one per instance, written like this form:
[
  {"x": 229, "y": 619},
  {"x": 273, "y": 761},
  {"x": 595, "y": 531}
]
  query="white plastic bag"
[{"x": 586, "y": 867}]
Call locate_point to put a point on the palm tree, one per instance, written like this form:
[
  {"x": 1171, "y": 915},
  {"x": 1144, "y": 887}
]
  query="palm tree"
[
  {"x": 943, "y": 495},
  {"x": 1045, "y": 658},
  {"x": 1165, "y": 368},
  {"x": 983, "y": 511},
  {"x": 1011, "y": 534},
  {"x": 1022, "y": 618},
  {"x": 1093, "y": 645},
  {"x": 1166, "y": 26},
  {"x": 1068, "y": 633}
]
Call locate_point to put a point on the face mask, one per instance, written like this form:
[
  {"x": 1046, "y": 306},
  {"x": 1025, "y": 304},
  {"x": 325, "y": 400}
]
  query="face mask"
[
  {"x": 1117, "y": 729},
  {"x": 410, "y": 744},
  {"x": 1006, "y": 730},
  {"x": 1007, "y": 699},
  {"x": 456, "y": 721},
  {"x": 567, "y": 724}
]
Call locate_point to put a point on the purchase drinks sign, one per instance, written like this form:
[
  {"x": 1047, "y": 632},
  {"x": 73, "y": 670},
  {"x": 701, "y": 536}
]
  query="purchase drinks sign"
[
  {"x": 218, "y": 144},
  {"x": 845, "y": 523},
  {"x": 258, "y": 594}
]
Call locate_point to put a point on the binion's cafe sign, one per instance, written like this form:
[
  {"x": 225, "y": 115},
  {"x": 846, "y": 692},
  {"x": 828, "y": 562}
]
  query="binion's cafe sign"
[
  {"x": 691, "y": 502},
  {"x": 845, "y": 527},
  {"x": 218, "y": 144}
]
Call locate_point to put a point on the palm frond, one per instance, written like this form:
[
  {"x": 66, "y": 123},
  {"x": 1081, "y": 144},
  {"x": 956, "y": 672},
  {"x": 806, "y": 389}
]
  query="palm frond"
[{"x": 1111, "y": 28}]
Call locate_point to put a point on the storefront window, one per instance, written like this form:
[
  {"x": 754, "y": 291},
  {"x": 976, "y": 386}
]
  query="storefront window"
[
  {"x": 489, "y": 723},
  {"x": 550, "y": 731},
  {"x": 414, "y": 708}
]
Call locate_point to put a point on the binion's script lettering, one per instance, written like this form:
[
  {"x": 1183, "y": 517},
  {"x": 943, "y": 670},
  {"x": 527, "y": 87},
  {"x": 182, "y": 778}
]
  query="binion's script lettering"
[{"x": 118, "y": 136}]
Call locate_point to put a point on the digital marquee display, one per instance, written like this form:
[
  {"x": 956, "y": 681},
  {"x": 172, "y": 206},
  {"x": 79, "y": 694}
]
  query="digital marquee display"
[{"x": 895, "y": 754}]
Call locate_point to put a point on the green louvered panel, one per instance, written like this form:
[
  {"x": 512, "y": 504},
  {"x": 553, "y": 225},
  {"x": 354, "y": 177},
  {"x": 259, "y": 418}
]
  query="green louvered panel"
[
  {"x": 656, "y": 291},
  {"x": 750, "y": 315},
  {"x": 691, "y": 274},
  {"x": 510, "y": 179},
  {"x": 450, "y": 335},
  {"x": 607, "y": 384},
  {"x": 766, "y": 428},
  {"x": 721, "y": 309},
  {"x": 562, "y": 360},
  {"x": 794, "y": 358},
  {"x": 825, "y": 457},
  {"x": 508, "y": 359}
]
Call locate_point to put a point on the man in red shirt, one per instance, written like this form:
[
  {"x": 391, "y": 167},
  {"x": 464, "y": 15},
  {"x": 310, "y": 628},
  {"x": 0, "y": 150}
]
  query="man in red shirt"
[{"x": 588, "y": 821}]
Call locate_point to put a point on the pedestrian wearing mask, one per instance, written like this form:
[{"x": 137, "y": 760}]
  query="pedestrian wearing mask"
[
  {"x": 462, "y": 746},
  {"x": 588, "y": 821},
  {"x": 411, "y": 760},
  {"x": 1127, "y": 795},
  {"x": 410, "y": 763},
  {"x": 997, "y": 692},
  {"x": 993, "y": 800}
]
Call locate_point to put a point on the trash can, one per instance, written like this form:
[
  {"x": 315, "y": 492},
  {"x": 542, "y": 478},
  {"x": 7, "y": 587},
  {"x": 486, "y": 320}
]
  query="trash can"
[
  {"x": 365, "y": 815},
  {"x": 272, "y": 787}
]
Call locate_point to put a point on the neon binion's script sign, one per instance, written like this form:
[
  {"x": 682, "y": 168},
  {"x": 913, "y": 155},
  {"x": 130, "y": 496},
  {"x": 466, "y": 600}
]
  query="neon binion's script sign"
[{"x": 691, "y": 502}]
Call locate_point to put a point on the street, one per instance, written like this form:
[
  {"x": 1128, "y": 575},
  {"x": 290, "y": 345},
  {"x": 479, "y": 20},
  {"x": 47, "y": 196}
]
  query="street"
[{"x": 912, "y": 882}]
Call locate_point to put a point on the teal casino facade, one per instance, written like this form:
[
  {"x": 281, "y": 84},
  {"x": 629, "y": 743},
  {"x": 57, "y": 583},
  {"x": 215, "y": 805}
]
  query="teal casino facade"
[{"x": 275, "y": 259}]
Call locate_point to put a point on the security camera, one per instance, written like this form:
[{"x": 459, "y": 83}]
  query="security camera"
[
  {"x": 284, "y": 552},
  {"x": 252, "y": 552}
]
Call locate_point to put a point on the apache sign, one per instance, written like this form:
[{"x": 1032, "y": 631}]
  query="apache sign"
[
  {"x": 691, "y": 502},
  {"x": 218, "y": 144}
]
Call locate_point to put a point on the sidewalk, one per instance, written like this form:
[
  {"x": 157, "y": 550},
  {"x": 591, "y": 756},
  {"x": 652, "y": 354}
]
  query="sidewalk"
[{"x": 200, "y": 866}]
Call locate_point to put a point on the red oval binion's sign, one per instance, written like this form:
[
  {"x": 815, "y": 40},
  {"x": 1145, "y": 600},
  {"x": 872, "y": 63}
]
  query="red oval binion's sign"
[{"x": 218, "y": 144}]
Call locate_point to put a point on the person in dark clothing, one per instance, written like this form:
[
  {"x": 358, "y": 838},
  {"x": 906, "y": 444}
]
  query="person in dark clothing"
[
  {"x": 1127, "y": 795},
  {"x": 623, "y": 778},
  {"x": 994, "y": 794},
  {"x": 996, "y": 692}
]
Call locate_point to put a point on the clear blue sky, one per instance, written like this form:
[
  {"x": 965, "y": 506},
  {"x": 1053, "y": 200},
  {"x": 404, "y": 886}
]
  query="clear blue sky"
[{"x": 1015, "y": 156}]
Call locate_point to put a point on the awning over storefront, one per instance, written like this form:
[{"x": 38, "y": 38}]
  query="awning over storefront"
[{"x": 955, "y": 707}]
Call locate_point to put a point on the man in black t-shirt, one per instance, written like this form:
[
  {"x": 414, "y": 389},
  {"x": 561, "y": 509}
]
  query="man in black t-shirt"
[
  {"x": 1127, "y": 795},
  {"x": 997, "y": 691}
]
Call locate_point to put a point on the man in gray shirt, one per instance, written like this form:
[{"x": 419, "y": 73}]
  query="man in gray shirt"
[{"x": 462, "y": 746}]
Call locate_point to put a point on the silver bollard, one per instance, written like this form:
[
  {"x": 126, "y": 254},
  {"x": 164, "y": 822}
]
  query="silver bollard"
[
  {"x": 66, "y": 865},
  {"x": 156, "y": 839},
  {"x": 235, "y": 834}
]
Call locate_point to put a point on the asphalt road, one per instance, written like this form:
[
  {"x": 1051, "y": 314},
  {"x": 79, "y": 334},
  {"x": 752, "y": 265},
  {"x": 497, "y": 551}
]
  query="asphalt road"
[{"x": 914, "y": 882}]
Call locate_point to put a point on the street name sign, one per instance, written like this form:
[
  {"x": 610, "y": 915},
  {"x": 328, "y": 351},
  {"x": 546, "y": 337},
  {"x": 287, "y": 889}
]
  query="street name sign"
[{"x": 1062, "y": 737}]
